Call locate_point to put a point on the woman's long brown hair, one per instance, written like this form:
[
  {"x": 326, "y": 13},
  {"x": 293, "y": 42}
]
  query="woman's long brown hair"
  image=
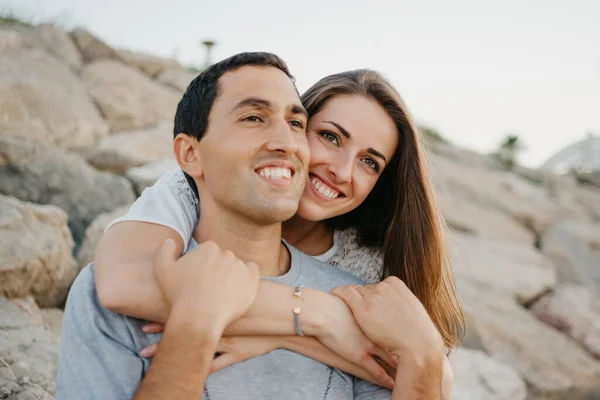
[{"x": 400, "y": 215}]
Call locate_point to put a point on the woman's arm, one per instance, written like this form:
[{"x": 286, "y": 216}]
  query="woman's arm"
[{"x": 126, "y": 284}]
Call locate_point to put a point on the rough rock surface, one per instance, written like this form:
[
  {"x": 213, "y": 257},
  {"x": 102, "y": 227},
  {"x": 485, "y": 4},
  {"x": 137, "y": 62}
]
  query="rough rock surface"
[
  {"x": 477, "y": 376},
  {"x": 574, "y": 246},
  {"x": 574, "y": 310},
  {"x": 42, "y": 98},
  {"x": 177, "y": 78},
  {"x": 127, "y": 97},
  {"x": 147, "y": 174},
  {"x": 28, "y": 356},
  {"x": 92, "y": 48},
  {"x": 44, "y": 174},
  {"x": 147, "y": 63},
  {"x": 94, "y": 233},
  {"x": 553, "y": 366},
  {"x": 124, "y": 150},
  {"x": 35, "y": 252},
  {"x": 518, "y": 270}
]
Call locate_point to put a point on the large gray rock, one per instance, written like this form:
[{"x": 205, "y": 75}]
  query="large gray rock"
[
  {"x": 478, "y": 376},
  {"x": 58, "y": 43},
  {"x": 50, "y": 318},
  {"x": 177, "y": 78},
  {"x": 574, "y": 310},
  {"x": 553, "y": 366},
  {"x": 147, "y": 174},
  {"x": 574, "y": 246},
  {"x": 28, "y": 356},
  {"x": 128, "y": 98},
  {"x": 467, "y": 216},
  {"x": 527, "y": 203},
  {"x": 42, "y": 98},
  {"x": 44, "y": 174},
  {"x": 92, "y": 48},
  {"x": 94, "y": 233},
  {"x": 517, "y": 270},
  {"x": 124, "y": 150},
  {"x": 147, "y": 63},
  {"x": 35, "y": 252}
]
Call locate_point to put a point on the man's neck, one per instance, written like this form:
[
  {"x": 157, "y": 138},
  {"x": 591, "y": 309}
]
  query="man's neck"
[
  {"x": 250, "y": 242},
  {"x": 310, "y": 237}
]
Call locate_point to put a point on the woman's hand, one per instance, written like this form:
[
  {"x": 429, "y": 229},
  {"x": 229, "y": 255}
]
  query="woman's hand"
[
  {"x": 392, "y": 317},
  {"x": 342, "y": 334}
]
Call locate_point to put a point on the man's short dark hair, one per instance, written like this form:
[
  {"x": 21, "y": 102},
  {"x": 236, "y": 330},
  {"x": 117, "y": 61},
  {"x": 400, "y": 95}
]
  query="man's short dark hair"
[{"x": 195, "y": 105}]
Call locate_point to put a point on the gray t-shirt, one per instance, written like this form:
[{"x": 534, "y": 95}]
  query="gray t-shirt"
[{"x": 99, "y": 354}]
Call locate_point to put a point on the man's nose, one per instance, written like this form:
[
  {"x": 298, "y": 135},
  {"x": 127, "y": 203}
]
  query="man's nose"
[{"x": 282, "y": 139}]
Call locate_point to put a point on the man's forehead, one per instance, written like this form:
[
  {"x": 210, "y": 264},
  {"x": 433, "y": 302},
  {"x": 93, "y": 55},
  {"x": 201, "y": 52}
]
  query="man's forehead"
[{"x": 253, "y": 81}]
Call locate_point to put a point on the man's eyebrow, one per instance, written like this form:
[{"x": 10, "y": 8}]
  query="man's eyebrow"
[
  {"x": 348, "y": 136},
  {"x": 254, "y": 102},
  {"x": 298, "y": 109},
  {"x": 257, "y": 102}
]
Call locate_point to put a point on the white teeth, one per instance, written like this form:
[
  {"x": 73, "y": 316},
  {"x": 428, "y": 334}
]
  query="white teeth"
[
  {"x": 276, "y": 173},
  {"x": 322, "y": 188}
]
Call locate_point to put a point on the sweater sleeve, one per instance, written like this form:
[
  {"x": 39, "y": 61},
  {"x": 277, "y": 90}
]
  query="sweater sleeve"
[{"x": 170, "y": 202}]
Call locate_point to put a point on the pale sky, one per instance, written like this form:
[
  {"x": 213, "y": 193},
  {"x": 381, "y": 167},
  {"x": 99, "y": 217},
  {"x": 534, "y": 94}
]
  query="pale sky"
[{"x": 473, "y": 69}]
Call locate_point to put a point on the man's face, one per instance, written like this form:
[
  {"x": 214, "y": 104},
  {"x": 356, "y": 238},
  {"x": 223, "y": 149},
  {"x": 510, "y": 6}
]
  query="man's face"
[{"x": 254, "y": 153}]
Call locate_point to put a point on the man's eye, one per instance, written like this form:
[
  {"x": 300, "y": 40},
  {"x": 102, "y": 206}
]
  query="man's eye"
[
  {"x": 329, "y": 136},
  {"x": 253, "y": 118},
  {"x": 297, "y": 123}
]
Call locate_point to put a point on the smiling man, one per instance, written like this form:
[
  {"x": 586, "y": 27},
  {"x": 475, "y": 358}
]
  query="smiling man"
[{"x": 241, "y": 141}]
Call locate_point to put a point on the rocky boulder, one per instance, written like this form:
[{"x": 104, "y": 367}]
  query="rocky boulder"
[
  {"x": 574, "y": 310},
  {"x": 146, "y": 175},
  {"x": 92, "y": 48},
  {"x": 44, "y": 174},
  {"x": 28, "y": 356},
  {"x": 124, "y": 150},
  {"x": 518, "y": 270},
  {"x": 527, "y": 203},
  {"x": 467, "y": 216},
  {"x": 94, "y": 233},
  {"x": 147, "y": 63},
  {"x": 42, "y": 98},
  {"x": 477, "y": 376},
  {"x": 35, "y": 252},
  {"x": 58, "y": 43},
  {"x": 127, "y": 98},
  {"x": 177, "y": 78},
  {"x": 574, "y": 246},
  {"x": 553, "y": 366}
]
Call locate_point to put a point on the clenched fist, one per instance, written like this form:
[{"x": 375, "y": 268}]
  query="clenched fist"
[{"x": 209, "y": 284}]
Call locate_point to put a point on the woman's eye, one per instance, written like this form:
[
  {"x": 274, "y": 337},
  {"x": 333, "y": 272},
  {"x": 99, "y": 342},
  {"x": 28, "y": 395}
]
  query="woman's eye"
[
  {"x": 371, "y": 163},
  {"x": 329, "y": 136}
]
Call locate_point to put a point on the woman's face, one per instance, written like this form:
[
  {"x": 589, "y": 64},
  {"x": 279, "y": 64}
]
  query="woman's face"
[{"x": 351, "y": 141}]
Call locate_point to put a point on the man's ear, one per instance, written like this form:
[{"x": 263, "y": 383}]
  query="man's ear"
[{"x": 187, "y": 154}]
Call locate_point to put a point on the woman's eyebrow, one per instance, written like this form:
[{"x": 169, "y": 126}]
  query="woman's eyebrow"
[
  {"x": 377, "y": 154},
  {"x": 348, "y": 136},
  {"x": 341, "y": 129}
]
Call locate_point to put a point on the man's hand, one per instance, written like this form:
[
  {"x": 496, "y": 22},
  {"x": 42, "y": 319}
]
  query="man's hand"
[
  {"x": 212, "y": 285},
  {"x": 207, "y": 289}
]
